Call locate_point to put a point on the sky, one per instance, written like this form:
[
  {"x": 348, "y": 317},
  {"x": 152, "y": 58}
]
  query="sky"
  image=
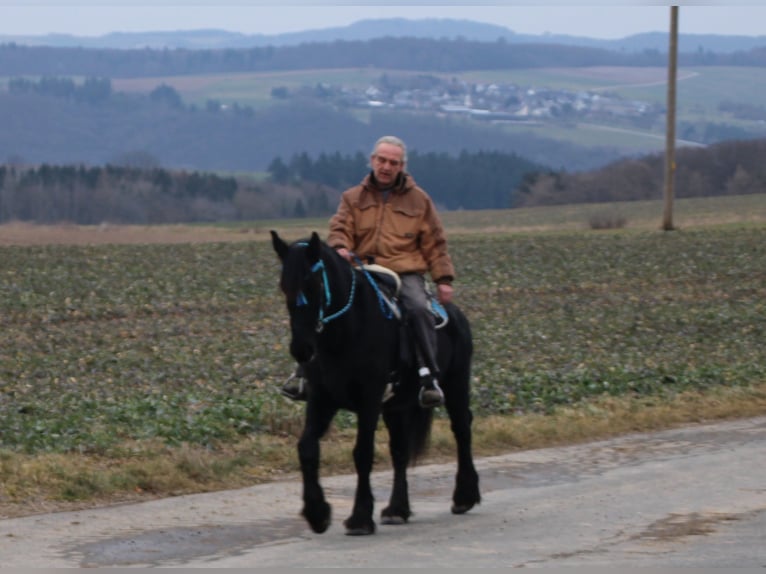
[{"x": 605, "y": 20}]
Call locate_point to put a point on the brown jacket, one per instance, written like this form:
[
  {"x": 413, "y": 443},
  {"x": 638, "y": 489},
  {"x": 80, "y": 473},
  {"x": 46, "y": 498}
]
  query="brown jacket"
[{"x": 403, "y": 233}]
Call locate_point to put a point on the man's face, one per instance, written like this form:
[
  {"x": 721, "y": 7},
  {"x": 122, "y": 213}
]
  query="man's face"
[{"x": 387, "y": 163}]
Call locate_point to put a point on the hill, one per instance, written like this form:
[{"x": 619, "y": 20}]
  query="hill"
[
  {"x": 432, "y": 28},
  {"x": 727, "y": 168},
  {"x": 309, "y": 187}
]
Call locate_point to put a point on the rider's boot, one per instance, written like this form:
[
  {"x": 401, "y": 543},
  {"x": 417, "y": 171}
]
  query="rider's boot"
[{"x": 431, "y": 394}]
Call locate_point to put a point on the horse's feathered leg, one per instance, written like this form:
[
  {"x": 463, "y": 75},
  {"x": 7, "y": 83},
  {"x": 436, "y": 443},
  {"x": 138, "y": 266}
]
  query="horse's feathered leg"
[
  {"x": 457, "y": 402},
  {"x": 316, "y": 510},
  {"x": 466, "y": 493},
  {"x": 398, "y": 509},
  {"x": 361, "y": 521}
]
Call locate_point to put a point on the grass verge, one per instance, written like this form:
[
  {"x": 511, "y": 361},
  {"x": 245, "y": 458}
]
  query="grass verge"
[{"x": 139, "y": 471}]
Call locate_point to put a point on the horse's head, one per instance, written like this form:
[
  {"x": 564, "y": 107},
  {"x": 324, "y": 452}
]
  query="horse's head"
[{"x": 302, "y": 285}]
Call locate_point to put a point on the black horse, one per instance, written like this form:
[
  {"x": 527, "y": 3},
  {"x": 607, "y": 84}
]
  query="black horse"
[{"x": 344, "y": 334}]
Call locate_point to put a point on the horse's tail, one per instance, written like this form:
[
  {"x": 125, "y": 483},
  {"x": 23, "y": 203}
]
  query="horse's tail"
[{"x": 420, "y": 436}]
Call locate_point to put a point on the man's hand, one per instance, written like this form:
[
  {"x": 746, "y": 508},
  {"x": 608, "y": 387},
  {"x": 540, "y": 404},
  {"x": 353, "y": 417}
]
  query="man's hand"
[
  {"x": 345, "y": 253},
  {"x": 444, "y": 293}
]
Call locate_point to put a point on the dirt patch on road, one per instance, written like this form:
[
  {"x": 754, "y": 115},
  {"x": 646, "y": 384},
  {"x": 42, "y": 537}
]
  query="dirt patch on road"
[{"x": 682, "y": 525}]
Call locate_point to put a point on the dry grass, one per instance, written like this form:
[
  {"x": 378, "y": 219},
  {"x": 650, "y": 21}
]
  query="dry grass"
[
  {"x": 19, "y": 233},
  {"x": 636, "y": 215}
]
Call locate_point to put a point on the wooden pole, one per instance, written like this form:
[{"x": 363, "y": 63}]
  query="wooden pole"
[{"x": 670, "y": 132}]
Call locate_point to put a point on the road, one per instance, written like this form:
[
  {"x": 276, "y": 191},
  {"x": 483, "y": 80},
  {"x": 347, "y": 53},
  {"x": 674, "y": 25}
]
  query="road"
[{"x": 690, "y": 497}]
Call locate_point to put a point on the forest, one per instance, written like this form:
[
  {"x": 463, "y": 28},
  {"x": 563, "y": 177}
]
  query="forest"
[
  {"x": 299, "y": 187},
  {"x": 727, "y": 168},
  {"x": 305, "y": 186}
]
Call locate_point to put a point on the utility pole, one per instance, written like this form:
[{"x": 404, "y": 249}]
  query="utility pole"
[{"x": 670, "y": 130}]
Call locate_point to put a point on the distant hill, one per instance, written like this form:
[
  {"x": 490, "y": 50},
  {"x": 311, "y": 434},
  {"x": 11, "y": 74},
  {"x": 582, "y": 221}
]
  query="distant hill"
[
  {"x": 433, "y": 28},
  {"x": 726, "y": 168}
]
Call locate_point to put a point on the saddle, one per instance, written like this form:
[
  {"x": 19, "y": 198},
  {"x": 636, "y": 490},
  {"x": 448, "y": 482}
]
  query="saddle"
[{"x": 390, "y": 284}]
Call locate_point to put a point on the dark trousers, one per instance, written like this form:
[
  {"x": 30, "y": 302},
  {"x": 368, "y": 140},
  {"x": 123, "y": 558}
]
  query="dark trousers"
[{"x": 415, "y": 300}]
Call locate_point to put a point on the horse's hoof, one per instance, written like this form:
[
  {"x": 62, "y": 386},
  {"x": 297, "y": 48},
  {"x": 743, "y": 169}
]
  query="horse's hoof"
[
  {"x": 393, "y": 520},
  {"x": 359, "y": 530},
  {"x": 394, "y": 515},
  {"x": 319, "y": 521},
  {"x": 321, "y": 527},
  {"x": 461, "y": 508}
]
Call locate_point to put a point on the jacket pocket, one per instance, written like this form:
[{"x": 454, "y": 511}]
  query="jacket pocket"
[
  {"x": 367, "y": 220},
  {"x": 406, "y": 222}
]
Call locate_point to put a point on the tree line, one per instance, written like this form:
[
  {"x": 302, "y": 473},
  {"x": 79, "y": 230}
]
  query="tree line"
[
  {"x": 300, "y": 187},
  {"x": 310, "y": 187},
  {"x": 727, "y": 168},
  {"x": 117, "y": 194},
  {"x": 478, "y": 180},
  {"x": 422, "y": 54}
]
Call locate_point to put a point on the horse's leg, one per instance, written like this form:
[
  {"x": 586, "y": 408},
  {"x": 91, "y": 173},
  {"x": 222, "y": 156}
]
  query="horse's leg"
[
  {"x": 361, "y": 522},
  {"x": 398, "y": 509},
  {"x": 316, "y": 510},
  {"x": 457, "y": 402}
]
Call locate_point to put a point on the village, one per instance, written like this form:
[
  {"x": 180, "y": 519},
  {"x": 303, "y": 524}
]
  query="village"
[{"x": 497, "y": 102}]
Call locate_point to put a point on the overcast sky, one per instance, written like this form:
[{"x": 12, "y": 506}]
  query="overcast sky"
[{"x": 609, "y": 20}]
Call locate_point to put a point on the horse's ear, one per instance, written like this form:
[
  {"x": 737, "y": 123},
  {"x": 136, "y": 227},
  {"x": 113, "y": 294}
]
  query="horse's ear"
[
  {"x": 315, "y": 247},
  {"x": 279, "y": 244}
]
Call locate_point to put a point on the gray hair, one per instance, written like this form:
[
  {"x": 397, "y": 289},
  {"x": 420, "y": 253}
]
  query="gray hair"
[{"x": 393, "y": 140}]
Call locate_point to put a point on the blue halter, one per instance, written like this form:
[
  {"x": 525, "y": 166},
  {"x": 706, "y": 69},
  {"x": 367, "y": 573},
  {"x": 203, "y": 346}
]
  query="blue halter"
[
  {"x": 322, "y": 319},
  {"x": 319, "y": 266}
]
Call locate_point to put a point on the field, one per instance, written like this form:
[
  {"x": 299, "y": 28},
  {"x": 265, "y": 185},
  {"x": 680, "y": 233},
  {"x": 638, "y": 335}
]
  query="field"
[
  {"x": 146, "y": 350},
  {"x": 700, "y": 91}
]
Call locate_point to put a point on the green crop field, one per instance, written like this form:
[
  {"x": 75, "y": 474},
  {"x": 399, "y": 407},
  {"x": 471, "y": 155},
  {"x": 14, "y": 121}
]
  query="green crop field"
[
  {"x": 249, "y": 89},
  {"x": 187, "y": 343}
]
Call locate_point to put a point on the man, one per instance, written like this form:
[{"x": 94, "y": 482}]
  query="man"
[{"x": 389, "y": 219}]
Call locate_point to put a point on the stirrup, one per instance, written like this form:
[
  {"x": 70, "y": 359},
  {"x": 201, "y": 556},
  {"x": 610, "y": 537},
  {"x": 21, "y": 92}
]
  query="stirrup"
[
  {"x": 294, "y": 388},
  {"x": 388, "y": 394},
  {"x": 431, "y": 395}
]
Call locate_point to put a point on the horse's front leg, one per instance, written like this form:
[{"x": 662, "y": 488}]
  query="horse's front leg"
[
  {"x": 398, "y": 509},
  {"x": 466, "y": 494},
  {"x": 316, "y": 509},
  {"x": 361, "y": 522}
]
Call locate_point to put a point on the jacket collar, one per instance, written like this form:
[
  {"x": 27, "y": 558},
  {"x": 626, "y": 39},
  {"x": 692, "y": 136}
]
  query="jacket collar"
[{"x": 402, "y": 185}]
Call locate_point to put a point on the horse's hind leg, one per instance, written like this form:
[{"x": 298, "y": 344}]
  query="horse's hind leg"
[
  {"x": 398, "y": 509},
  {"x": 316, "y": 510},
  {"x": 466, "y": 493}
]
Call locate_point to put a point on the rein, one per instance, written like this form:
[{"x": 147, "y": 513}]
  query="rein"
[
  {"x": 386, "y": 309},
  {"x": 322, "y": 319}
]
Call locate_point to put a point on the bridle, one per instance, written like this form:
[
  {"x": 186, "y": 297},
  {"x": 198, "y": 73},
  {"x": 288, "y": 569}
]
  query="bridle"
[{"x": 326, "y": 299}]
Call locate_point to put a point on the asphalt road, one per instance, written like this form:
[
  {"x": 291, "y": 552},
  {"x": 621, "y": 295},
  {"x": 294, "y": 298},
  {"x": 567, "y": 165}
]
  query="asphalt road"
[{"x": 691, "y": 497}]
